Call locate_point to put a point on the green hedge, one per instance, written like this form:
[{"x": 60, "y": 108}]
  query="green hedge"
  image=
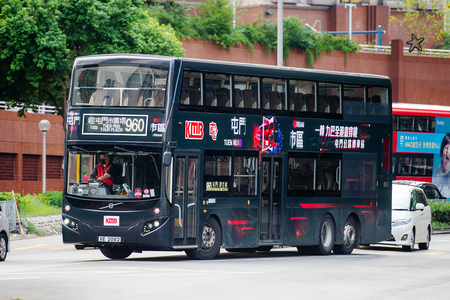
[
  {"x": 440, "y": 212},
  {"x": 53, "y": 198}
]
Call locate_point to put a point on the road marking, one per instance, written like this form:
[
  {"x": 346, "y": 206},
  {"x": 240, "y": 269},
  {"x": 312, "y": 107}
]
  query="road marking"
[
  {"x": 434, "y": 253},
  {"x": 30, "y": 247}
]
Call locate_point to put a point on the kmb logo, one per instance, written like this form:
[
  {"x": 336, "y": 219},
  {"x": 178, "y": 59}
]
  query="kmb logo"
[
  {"x": 111, "y": 220},
  {"x": 194, "y": 130}
]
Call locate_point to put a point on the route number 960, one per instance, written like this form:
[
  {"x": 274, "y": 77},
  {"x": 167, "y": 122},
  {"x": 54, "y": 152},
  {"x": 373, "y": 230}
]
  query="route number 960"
[{"x": 135, "y": 125}]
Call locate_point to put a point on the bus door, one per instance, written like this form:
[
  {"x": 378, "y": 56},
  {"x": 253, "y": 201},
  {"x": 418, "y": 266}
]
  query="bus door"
[
  {"x": 271, "y": 195},
  {"x": 185, "y": 199}
]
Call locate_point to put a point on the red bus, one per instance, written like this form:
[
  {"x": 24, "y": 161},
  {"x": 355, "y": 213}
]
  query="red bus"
[{"x": 421, "y": 139}]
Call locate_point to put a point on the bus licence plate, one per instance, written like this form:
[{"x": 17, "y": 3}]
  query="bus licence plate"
[{"x": 110, "y": 239}]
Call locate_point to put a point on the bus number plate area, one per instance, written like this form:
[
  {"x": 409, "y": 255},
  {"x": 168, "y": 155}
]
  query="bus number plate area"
[{"x": 110, "y": 239}]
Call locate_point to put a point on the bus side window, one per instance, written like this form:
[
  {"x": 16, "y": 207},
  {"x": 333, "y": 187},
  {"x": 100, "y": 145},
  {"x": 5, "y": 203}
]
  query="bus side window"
[
  {"x": 310, "y": 102},
  {"x": 249, "y": 98},
  {"x": 184, "y": 95}
]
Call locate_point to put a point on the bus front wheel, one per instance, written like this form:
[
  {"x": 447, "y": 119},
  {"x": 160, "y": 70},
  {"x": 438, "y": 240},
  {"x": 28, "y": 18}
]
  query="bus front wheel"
[
  {"x": 211, "y": 240},
  {"x": 326, "y": 237},
  {"x": 116, "y": 252}
]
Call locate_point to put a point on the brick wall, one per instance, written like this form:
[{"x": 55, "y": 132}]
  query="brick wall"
[
  {"x": 21, "y": 139},
  {"x": 415, "y": 79}
]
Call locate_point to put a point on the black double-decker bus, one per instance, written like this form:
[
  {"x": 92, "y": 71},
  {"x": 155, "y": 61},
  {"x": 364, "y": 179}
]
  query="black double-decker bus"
[{"x": 168, "y": 153}]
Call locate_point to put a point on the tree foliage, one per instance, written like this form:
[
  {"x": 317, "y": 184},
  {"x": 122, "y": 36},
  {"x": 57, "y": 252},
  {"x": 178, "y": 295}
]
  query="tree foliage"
[
  {"x": 423, "y": 17},
  {"x": 214, "y": 21},
  {"x": 39, "y": 40}
]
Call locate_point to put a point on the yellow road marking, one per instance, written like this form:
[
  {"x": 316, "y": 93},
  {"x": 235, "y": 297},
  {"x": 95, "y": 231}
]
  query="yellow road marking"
[
  {"x": 30, "y": 247},
  {"x": 434, "y": 253}
]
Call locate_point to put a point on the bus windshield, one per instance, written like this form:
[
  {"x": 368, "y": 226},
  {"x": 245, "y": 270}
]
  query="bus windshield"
[
  {"x": 114, "y": 176},
  {"x": 119, "y": 86}
]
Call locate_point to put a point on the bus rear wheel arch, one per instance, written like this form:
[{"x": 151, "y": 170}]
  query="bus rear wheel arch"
[
  {"x": 326, "y": 236},
  {"x": 211, "y": 239}
]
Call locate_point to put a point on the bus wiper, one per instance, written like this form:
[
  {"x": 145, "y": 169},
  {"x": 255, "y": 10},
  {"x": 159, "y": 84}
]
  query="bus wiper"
[
  {"x": 85, "y": 150},
  {"x": 126, "y": 150}
]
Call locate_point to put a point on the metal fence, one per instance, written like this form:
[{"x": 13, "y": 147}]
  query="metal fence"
[
  {"x": 40, "y": 109},
  {"x": 387, "y": 50}
]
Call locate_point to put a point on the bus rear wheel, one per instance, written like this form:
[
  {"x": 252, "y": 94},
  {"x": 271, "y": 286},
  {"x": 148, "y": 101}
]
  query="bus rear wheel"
[
  {"x": 349, "y": 235},
  {"x": 211, "y": 240},
  {"x": 326, "y": 237},
  {"x": 116, "y": 252}
]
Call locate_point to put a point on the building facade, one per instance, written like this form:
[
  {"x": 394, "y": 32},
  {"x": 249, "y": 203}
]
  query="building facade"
[{"x": 21, "y": 153}]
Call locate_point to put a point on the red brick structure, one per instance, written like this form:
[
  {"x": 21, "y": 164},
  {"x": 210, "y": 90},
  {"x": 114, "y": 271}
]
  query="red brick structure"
[
  {"x": 21, "y": 153},
  {"x": 415, "y": 78}
]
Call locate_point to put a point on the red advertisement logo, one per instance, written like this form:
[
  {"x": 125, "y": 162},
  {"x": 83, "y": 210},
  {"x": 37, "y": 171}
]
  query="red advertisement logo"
[
  {"x": 194, "y": 130},
  {"x": 213, "y": 130}
]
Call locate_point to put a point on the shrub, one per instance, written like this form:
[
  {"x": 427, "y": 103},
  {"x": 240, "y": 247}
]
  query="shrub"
[
  {"x": 214, "y": 22},
  {"x": 52, "y": 198},
  {"x": 440, "y": 212},
  {"x": 7, "y": 196}
]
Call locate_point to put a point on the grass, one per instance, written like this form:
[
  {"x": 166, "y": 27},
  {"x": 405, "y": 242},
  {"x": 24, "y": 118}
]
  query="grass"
[
  {"x": 439, "y": 225},
  {"x": 35, "y": 206}
]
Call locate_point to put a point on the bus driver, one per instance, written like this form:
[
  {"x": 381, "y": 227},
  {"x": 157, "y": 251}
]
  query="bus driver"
[{"x": 104, "y": 171}]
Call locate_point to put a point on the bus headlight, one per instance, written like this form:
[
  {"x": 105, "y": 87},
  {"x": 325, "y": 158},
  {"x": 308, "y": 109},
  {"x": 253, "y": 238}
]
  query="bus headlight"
[
  {"x": 153, "y": 225},
  {"x": 70, "y": 223}
]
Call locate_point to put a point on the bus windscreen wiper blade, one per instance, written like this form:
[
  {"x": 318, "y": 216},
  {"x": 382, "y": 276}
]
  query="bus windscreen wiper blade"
[
  {"x": 123, "y": 149},
  {"x": 84, "y": 150}
]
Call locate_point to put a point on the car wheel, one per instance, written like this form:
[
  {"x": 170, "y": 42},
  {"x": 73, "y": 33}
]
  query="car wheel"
[
  {"x": 3, "y": 246},
  {"x": 349, "y": 235},
  {"x": 211, "y": 241},
  {"x": 426, "y": 245},
  {"x": 326, "y": 237},
  {"x": 410, "y": 247},
  {"x": 116, "y": 252}
]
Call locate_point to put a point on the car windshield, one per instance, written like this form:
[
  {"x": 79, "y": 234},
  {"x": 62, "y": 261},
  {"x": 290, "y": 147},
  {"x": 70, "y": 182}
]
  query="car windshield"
[
  {"x": 114, "y": 175},
  {"x": 401, "y": 197}
]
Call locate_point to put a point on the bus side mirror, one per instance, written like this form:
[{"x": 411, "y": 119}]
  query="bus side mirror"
[{"x": 167, "y": 158}]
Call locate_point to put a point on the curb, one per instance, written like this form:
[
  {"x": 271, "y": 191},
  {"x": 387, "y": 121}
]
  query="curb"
[{"x": 440, "y": 231}]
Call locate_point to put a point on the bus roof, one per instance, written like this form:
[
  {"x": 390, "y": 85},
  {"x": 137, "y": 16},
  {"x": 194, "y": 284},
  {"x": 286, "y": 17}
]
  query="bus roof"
[
  {"x": 239, "y": 68},
  {"x": 410, "y": 109}
]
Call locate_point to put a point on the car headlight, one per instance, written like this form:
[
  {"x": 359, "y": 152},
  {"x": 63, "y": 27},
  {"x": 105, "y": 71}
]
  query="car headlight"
[{"x": 401, "y": 222}]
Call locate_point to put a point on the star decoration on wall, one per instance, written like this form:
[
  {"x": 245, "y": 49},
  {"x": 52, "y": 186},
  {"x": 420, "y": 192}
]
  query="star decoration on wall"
[{"x": 414, "y": 43}]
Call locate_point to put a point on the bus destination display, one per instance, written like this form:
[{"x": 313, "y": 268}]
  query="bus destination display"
[{"x": 115, "y": 124}]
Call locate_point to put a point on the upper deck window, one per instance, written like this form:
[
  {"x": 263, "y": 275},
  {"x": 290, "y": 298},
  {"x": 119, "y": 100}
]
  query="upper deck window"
[{"x": 115, "y": 85}]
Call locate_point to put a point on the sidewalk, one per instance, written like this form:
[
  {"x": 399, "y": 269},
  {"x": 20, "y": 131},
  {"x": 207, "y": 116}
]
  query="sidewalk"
[{"x": 47, "y": 225}]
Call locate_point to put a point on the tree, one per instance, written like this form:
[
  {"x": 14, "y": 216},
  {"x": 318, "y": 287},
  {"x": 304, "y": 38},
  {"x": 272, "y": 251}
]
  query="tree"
[
  {"x": 39, "y": 40},
  {"x": 424, "y": 17}
]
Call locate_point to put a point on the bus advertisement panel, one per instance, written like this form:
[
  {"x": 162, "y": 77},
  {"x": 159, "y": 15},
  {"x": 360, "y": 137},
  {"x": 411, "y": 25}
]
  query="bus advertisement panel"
[{"x": 421, "y": 137}]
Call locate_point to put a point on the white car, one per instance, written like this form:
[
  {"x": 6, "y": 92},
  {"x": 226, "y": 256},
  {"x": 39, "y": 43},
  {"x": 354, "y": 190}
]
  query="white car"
[
  {"x": 4, "y": 236},
  {"x": 411, "y": 218}
]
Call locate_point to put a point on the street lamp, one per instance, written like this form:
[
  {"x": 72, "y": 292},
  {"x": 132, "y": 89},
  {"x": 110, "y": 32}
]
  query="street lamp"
[{"x": 44, "y": 126}]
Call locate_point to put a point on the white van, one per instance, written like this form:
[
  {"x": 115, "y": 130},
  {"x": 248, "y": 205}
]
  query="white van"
[{"x": 4, "y": 236}]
